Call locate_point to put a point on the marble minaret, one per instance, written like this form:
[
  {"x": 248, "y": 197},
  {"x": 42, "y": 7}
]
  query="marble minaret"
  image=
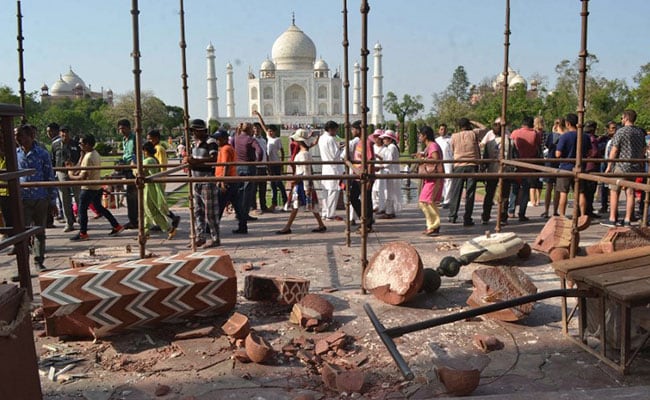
[
  {"x": 377, "y": 89},
  {"x": 356, "y": 90},
  {"x": 230, "y": 93},
  {"x": 213, "y": 98}
]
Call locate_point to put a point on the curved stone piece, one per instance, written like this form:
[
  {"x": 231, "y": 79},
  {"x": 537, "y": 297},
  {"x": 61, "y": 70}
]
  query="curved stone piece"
[
  {"x": 459, "y": 382},
  {"x": 492, "y": 246},
  {"x": 394, "y": 273}
]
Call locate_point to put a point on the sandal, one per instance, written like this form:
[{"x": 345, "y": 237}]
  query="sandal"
[
  {"x": 320, "y": 229},
  {"x": 283, "y": 232}
]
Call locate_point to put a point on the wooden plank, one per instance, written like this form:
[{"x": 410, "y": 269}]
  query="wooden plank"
[
  {"x": 565, "y": 266},
  {"x": 635, "y": 293},
  {"x": 619, "y": 276},
  {"x": 582, "y": 273}
]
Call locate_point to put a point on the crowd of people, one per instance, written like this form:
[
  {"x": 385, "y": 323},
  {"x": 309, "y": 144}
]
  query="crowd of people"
[{"x": 254, "y": 150}]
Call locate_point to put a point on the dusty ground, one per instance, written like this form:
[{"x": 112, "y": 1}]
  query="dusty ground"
[{"x": 536, "y": 360}]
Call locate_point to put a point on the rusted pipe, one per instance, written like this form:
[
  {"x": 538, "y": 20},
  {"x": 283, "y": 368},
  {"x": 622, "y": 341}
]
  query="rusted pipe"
[
  {"x": 364, "y": 181},
  {"x": 346, "y": 105},
  {"x": 504, "y": 109}
]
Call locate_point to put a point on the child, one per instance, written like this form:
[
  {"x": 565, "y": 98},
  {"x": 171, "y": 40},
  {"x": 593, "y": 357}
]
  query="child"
[
  {"x": 155, "y": 204},
  {"x": 303, "y": 195}
]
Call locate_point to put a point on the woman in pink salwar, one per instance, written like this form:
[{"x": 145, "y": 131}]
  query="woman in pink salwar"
[{"x": 431, "y": 188}]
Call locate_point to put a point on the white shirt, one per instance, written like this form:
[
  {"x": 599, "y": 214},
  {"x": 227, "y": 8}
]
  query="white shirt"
[
  {"x": 273, "y": 148},
  {"x": 330, "y": 151}
]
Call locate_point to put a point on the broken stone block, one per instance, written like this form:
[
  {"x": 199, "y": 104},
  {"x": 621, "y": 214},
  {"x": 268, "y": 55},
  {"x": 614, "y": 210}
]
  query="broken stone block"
[
  {"x": 312, "y": 311},
  {"x": 341, "y": 380},
  {"x": 557, "y": 234},
  {"x": 623, "y": 238},
  {"x": 257, "y": 348},
  {"x": 394, "y": 273},
  {"x": 487, "y": 343},
  {"x": 281, "y": 289},
  {"x": 459, "y": 382},
  {"x": 496, "y": 284},
  {"x": 237, "y": 326}
]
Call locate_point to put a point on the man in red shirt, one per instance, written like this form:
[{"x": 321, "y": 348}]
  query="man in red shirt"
[{"x": 528, "y": 144}]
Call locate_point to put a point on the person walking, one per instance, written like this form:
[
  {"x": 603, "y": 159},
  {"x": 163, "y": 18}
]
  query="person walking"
[
  {"x": 304, "y": 194},
  {"x": 66, "y": 151},
  {"x": 156, "y": 210},
  {"x": 247, "y": 149},
  {"x": 91, "y": 193},
  {"x": 227, "y": 191},
  {"x": 492, "y": 151},
  {"x": 392, "y": 187},
  {"x": 275, "y": 153},
  {"x": 567, "y": 148},
  {"x": 552, "y": 196},
  {"x": 628, "y": 143},
  {"x": 37, "y": 201},
  {"x": 431, "y": 189},
  {"x": 528, "y": 143},
  {"x": 331, "y": 150},
  {"x": 447, "y": 154},
  {"x": 128, "y": 158},
  {"x": 153, "y": 136}
]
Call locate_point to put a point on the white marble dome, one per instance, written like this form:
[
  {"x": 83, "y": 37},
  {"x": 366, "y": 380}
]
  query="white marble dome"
[
  {"x": 294, "y": 50},
  {"x": 61, "y": 87},
  {"x": 267, "y": 65},
  {"x": 321, "y": 65},
  {"x": 73, "y": 79}
]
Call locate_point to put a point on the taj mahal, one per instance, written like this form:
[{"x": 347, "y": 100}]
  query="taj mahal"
[{"x": 293, "y": 87}]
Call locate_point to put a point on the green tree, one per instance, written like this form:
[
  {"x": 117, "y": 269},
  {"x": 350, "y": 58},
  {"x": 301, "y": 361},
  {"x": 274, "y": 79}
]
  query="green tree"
[
  {"x": 409, "y": 107},
  {"x": 154, "y": 111},
  {"x": 459, "y": 85},
  {"x": 640, "y": 97}
]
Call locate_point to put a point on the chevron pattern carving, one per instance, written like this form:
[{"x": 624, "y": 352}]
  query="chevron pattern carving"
[{"x": 104, "y": 299}]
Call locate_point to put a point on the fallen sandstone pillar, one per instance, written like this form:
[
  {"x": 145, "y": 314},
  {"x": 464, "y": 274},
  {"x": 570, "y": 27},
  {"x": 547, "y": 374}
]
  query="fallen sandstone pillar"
[
  {"x": 104, "y": 299},
  {"x": 395, "y": 273}
]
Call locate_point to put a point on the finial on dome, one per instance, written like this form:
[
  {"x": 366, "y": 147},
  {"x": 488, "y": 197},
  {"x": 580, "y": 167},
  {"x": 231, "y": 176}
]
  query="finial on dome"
[{"x": 293, "y": 18}]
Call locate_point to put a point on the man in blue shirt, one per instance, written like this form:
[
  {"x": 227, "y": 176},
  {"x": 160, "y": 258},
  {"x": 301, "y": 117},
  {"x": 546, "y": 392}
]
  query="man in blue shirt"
[
  {"x": 36, "y": 200},
  {"x": 128, "y": 158},
  {"x": 566, "y": 148}
]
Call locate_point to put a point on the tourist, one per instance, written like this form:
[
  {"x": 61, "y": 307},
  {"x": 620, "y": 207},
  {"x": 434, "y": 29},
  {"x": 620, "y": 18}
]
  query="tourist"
[
  {"x": 66, "y": 151},
  {"x": 465, "y": 147},
  {"x": 275, "y": 153},
  {"x": 392, "y": 187},
  {"x": 262, "y": 170},
  {"x": 355, "y": 184},
  {"x": 128, "y": 158},
  {"x": 379, "y": 185},
  {"x": 443, "y": 141},
  {"x": 606, "y": 144},
  {"x": 591, "y": 167},
  {"x": 431, "y": 188},
  {"x": 552, "y": 196},
  {"x": 628, "y": 143},
  {"x": 91, "y": 193},
  {"x": 153, "y": 136},
  {"x": 156, "y": 210},
  {"x": 304, "y": 194},
  {"x": 567, "y": 148},
  {"x": 536, "y": 184},
  {"x": 528, "y": 143},
  {"x": 206, "y": 201},
  {"x": 331, "y": 150},
  {"x": 492, "y": 151},
  {"x": 247, "y": 149},
  {"x": 227, "y": 190}
]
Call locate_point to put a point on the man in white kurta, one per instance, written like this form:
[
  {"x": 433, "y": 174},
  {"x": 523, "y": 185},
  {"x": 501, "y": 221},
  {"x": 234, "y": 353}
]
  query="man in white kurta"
[
  {"x": 330, "y": 150},
  {"x": 447, "y": 154}
]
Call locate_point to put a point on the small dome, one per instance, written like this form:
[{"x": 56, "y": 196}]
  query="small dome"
[
  {"x": 210, "y": 47},
  {"x": 61, "y": 87},
  {"x": 267, "y": 65},
  {"x": 44, "y": 87},
  {"x": 293, "y": 50},
  {"x": 229, "y": 66},
  {"x": 321, "y": 65},
  {"x": 377, "y": 46},
  {"x": 517, "y": 80}
]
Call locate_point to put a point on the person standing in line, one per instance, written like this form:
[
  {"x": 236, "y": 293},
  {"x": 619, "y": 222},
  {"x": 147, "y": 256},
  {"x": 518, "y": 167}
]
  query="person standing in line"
[
  {"x": 156, "y": 210},
  {"x": 392, "y": 189},
  {"x": 91, "y": 194},
  {"x": 66, "y": 151},
  {"x": 536, "y": 184},
  {"x": 304, "y": 193},
  {"x": 567, "y": 148},
  {"x": 552, "y": 196},
  {"x": 227, "y": 190},
  {"x": 606, "y": 143},
  {"x": 275, "y": 153},
  {"x": 128, "y": 158},
  {"x": 379, "y": 186},
  {"x": 492, "y": 151},
  {"x": 153, "y": 136},
  {"x": 247, "y": 149},
  {"x": 431, "y": 189},
  {"x": 628, "y": 143},
  {"x": 465, "y": 146},
  {"x": 528, "y": 143},
  {"x": 591, "y": 167},
  {"x": 206, "y": 202},
  {"x": 54, "y": 133},
  {"x": 37, "y": 201},
  {"x": 355, "y": 185},
  {"x": 355, "y": 134},
  {"x": 331, "y": 150},
  {"x": 443, "y": 142},
  {"x": 262, "y": 170}
]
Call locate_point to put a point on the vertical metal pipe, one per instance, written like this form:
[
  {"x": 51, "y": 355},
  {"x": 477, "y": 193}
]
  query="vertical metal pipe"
[
  {"x": 21, "y": 69},
  {"x": 573, "y": 249},
  {"x": 346, "y": 102},
  {"x": 504, "y": 109},
  {"x": 365, "y": 9},
  {"x": 139, "y": 180},
  {"x": 186, "y": 121}
]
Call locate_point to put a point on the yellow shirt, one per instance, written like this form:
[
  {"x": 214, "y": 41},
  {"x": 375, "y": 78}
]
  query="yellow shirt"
[
  {"x": 161, "y": 156},
  {"x": 3, "y": 165},
  {"x": 92, "y": 159}
]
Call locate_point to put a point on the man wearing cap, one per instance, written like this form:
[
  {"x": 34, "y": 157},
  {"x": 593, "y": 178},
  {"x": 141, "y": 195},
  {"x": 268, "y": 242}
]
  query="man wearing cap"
[
  {"x": 128, "y": 158},
  {"x": 247, "y": 149},
  {"x": 330, "y": 150},
  {"x": 66, "y": 152},
  {"x": 206, "y": 200}
]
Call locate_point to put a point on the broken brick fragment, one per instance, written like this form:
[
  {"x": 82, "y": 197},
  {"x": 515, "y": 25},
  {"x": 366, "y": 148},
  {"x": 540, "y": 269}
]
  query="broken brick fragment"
[
  {"x": 459, "y": 382},
  {"x": 487, "y": 343},
  {"x": 312, "y": 312},
  {"x": 237, "y": 326},
  {"x": 281, "y": 289},
  {"x": 257, "y": 348}
]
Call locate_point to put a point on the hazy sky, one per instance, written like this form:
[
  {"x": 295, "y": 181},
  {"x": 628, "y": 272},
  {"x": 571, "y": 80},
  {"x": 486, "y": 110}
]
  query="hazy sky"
[{"x": 423, "y": 41}]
